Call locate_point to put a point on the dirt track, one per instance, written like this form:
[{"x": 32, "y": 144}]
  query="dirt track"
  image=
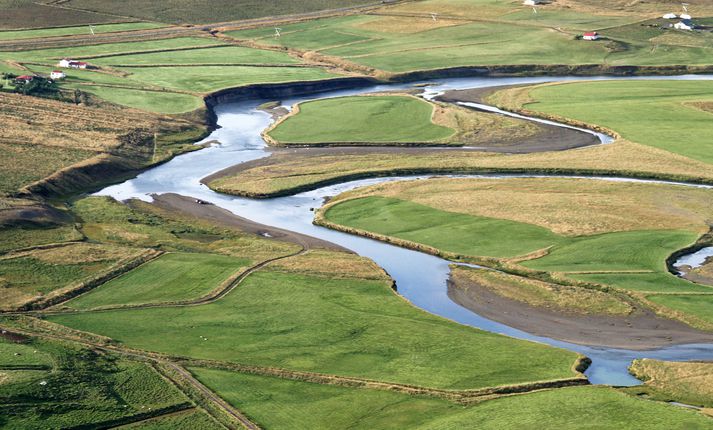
[{"x": 640, "y": 331}]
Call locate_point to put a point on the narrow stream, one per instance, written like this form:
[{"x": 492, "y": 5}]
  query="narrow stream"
[{"x": 421, "y": 278}]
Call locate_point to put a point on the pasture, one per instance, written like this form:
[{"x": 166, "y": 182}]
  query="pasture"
[
  {"x": 83, "y": 388},
  {"x": 404, "y": 38},
  {"x": 70, "y": 31},
  {"x": 278, "y": 403},
  {"x": 351, "y": 325},
  {"x": 669, "y": 115},
  {"x": 171, "y": 277},
  {"x": 390, "y": 119}
]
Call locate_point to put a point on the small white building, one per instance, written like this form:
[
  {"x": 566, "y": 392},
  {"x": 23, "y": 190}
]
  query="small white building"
[
  {"x": 670, "y": 16},
  {"x": 532, "y": 2},
  {"x": 686, "y": 24},
  {"x": 685, "y": 16},
  {"x": 64, "y": 62},
  {"x": 57, "y": 74},
  {"x": 590, "y": 35},
  {"x": 71, "y": 64}
]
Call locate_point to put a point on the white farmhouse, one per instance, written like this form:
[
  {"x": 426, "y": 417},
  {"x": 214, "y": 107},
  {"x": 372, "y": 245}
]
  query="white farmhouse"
[
  {"x": 532, "y": 2},
  {"x": 670, "y": 16},
  {"x": 686, "y": 24},
  {"x": 57, "y": 74},
  {"x": 64, "y": 62}
]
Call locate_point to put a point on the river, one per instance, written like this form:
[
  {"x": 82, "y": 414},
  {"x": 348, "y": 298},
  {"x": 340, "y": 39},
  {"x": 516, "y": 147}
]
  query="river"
[{"x": 420, "y": 278}]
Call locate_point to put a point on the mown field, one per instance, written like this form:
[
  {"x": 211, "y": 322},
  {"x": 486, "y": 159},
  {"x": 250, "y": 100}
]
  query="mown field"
[
  {"x": 277, "y": 404},
  {"x": 69, "y": 31},
  {"x": 390, "y": 119},
  {"x": 76, "y": 387},
  {"x": 173, "y": 73},
  {"x": 484, "y": 32},
  {"x": 184, "y": 11},
  {"x": 670, "y": 115},
  {"x": 21, "y": 14},
  {"x": 616, "y": 234},
  {"x": 171, "y": 277},
  {"x": 344, "y": 324}
]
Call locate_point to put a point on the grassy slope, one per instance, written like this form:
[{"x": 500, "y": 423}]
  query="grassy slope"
[
  {"x": 218, "y": 55},
  {"x": 490, "y": 33},
  {"x": 203, "y": 11},
  {"x": 278, "y": 404},
  {"x": 194, "y": 420},
  {"x": 389, "y": 119},
  {"x": 650, "y": 112},
  {"x": 171, "y": 277},
  {"x": 67, "y": 31},
  {"x": 152, "y": 101},
  {"x": 347, "y": 326},
  {"x": 684, "y": 382}
]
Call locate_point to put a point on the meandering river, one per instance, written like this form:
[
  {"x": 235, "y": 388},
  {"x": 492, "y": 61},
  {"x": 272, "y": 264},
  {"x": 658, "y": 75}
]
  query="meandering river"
[{"x": 420, "y": 278}]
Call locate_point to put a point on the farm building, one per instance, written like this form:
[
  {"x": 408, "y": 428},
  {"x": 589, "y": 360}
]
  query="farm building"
[
  {"x": 24, "y": 79},
  {"x": 685, "y": 16},
  {"x": 590, "y": 35},
  {"x": 71, "y": 64},
  {"x": 532, "y": 2},
  {"x": 57, "y": 74},
  {"x": 686, "y": 24},
  {"x": 670, "y": 16}
]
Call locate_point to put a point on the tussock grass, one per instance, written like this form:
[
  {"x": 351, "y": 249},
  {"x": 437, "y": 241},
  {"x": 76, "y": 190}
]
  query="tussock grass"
[{"x": 685, "y": 382}]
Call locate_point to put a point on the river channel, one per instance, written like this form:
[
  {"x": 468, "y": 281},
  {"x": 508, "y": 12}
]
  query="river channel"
[{"x": 420, "y": 278}]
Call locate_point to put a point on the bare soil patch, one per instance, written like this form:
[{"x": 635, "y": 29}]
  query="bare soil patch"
[{"x": 641, "y": 330}]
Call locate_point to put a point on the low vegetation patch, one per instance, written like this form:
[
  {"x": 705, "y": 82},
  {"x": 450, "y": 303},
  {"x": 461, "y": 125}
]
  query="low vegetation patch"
[
  {"x": 686, "y": 382},
  {"x": 556, "y": 297}
]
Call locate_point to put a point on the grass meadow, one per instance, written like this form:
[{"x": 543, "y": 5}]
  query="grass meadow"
[
  {"x": 353, "y": 325},
  {"x": 670, "y": 115},
  {"x": 686, "y": 382},
  {"x": 70, "y": 31},
  {"x": 171, "y": 277},
  {"x": 280, "y": 404},
  {"x": 341, "y": 120},
  {"x": 610, "y": 233}
]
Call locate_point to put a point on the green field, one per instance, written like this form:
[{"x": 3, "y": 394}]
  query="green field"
[
  {"x": 171, "y": 277},
  {"x": 186, "y": 11},
  {"x": 281, "y": 404},
  {"x": 671, "y": 115},
  {"x": 191, "y": 420},
  {"x": 477, "y": 236},
  {"x": 487, "y": 32},
  {"x": 217, "y": 55},
  {"x": 83, "y": 389},
  {"x": 68, "y": 31},
  {"x": 389, "y": 118},
  {"x": 349, "y": 326},
  {"x": 152, "y": 101},
  {"x": 700, "y": 306}
]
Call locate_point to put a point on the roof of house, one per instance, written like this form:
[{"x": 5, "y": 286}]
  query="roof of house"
[
  {"x": 25, "y": 77},
  {"x": 591, "y": 33}
]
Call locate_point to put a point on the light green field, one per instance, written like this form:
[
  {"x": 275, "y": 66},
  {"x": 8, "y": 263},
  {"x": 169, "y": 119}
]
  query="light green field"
[
  {"x": 700, "y": 306},
  {"x": 342, "y": 119},
  {"x": 68, "y": 31},
  {"x": 18, "y": 355},
  {"x": 218, "y": 55},
  {"x": 194, "y": 420},
  {"x": 489, "y": 33},
  {"x": 171, "y": 277},
  {"x": 663, "y": 114},
  {"x": 152, "y": 101},
  {"x": 281, "y": 404},
  {"x": 469, "y": 235},
  {"x": 345, "y": 326}
]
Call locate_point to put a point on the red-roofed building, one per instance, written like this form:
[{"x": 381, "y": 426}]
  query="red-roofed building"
[
  {"x": 24, "y": 79},
  {"x": 590, "y": 35}
]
